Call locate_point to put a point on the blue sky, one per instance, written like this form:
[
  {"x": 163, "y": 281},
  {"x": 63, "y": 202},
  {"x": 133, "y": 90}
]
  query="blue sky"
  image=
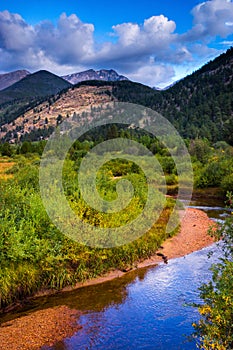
[{"x": 152, "y": 42}]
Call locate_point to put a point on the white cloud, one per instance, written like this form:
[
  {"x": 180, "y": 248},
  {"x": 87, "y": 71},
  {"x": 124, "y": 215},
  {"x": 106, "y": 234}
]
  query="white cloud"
[
  {"x": 15, "y": 33},
  {"x": 227, "y": 42},
  {"x": 155, "y": 33},
  {"x": 70, "y": 41},
  {"x": 140, "y": 45},
  {"x": 128, "y": 33},
  {"x": 159, "y": 25},
  {"x": 44, "y": 45},
  {"x": 153, "y": 75},
  {"x": 213, "y": 18},
  {"x": 149, "y": 52}
]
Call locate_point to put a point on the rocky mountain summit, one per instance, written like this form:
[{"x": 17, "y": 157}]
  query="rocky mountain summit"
[{"x": 91, "y": 74}]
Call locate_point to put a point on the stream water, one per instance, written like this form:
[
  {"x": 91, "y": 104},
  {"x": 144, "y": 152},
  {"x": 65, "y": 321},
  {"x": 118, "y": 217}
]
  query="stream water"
[
  {"x": 146, "y": 309},
  {"x": 149, "y": 312},
  {"x": 214, "y": 208}
]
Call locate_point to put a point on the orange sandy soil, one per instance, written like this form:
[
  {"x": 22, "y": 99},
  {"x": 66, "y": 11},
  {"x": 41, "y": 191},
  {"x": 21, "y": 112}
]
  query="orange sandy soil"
[
  {"x": 193, "y": 236},
  {"x": 46, "y": 327},
  {"x": 43, "y": 327}
]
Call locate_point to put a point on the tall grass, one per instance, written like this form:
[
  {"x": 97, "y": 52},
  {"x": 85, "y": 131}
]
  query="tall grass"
[{"x": 35, "y": 255}]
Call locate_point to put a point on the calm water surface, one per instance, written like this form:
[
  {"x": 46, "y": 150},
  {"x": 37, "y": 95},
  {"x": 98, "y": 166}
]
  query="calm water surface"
[
  {"x": 151, "y": 312},
  {"x": 214, "y": 208},
  {"x": 145, "y": 309}
]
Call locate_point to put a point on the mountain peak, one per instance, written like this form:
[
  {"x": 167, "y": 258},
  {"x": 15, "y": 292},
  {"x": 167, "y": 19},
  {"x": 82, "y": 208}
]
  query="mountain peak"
[
  {"x": 91, "y": 74},
  {"x": 8, "y": 79}
]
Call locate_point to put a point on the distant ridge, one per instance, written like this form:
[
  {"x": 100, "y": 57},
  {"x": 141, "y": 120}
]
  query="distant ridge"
[
  {"x": 199, "y": 105},
  {"x": 91, "y": 74},
  {"x": 11, "y": 78},
  {"x": 39, "y": 84}
]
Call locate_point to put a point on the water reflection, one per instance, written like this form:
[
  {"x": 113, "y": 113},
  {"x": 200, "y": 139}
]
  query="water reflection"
[
  {"x": 95, "y": 297},
  {"x": 142, "y": 310},
  {"x": 214, "y": 208},
  {"x": 147, "y": 312}
]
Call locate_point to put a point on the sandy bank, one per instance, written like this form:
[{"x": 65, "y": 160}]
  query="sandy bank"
[
  {"x": 43, "y": 327},
  {"x": 193, "y": 236}
]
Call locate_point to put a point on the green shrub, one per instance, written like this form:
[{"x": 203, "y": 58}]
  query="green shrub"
[
  {"x": 215, "y": 328},
  {"x": 227, "y": 183},
  {"x": 171, "y": 179}
]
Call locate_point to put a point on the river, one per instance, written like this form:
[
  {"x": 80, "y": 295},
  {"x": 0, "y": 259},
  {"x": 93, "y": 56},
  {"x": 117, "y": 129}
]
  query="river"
[{"x": 146, "y": 309}]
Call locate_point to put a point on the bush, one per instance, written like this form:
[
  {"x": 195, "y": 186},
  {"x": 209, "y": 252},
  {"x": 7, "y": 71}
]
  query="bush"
[
  {"x": 215, "y": 328},
  {"x": 34, "y": 254},
  {"x": 212, "y": 174},
  {"x": 227, "y": 183},
  {"x": 199, "y": 149},
  {"x": 171, "y": 179}
]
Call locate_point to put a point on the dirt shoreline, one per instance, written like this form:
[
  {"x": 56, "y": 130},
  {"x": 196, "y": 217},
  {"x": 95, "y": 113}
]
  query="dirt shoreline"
[
  {"x": 41, "y": 328},
  {"x": 46, "y": 327},
  {"x": 193, "y": 236}
]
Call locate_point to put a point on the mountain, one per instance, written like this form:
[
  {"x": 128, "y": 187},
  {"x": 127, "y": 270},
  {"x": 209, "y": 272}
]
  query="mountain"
[
  {"x": 28, "y": 93},
  {"x": 200, "y": 105},
  {"x": 91, "y": 74},
  {"x": 9, "y": 79},
  {"x": 38, "y": 122},
  {"x": 41, "y": 83},
  {"x": 166, "y": 87}
]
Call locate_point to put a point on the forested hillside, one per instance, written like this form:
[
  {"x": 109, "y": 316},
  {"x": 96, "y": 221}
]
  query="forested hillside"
[
  {"x": 200, "y": 105},
  {"x": 28, "y": 93}
]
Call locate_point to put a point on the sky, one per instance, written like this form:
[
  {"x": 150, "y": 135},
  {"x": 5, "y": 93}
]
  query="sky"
[{"x": 151, "y": 42}]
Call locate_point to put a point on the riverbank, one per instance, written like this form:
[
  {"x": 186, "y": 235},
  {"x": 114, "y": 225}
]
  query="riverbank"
[
  {"x": 192, "y": 236},
  {"x": 41, "y": 328},
  {"x": 49, "y": 326}
]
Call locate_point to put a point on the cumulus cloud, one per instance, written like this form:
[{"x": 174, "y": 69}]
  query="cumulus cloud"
[
  {"x": 153, "y": 75},
  {"x": 152, "y": 37},
  {"x": 16, "y": 40},
  {"x": 70, "y": 41},
  {"x": 44, "y": 45},
  {"x": 147, "y": 52},
  {"x": 153, "y": 29},
  {"x": 211, "y": 18},
  {"x": 15, "y": 33}
]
